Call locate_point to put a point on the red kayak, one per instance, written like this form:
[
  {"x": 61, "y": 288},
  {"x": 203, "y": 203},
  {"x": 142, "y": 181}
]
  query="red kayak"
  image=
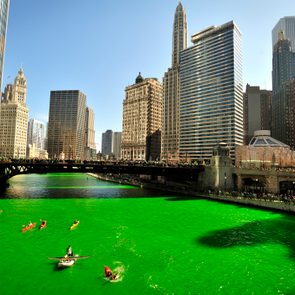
[
  {"x": 43, "y": 224},
  {"x": 29, "y": 226}
]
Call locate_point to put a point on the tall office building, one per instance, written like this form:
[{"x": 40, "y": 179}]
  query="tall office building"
[
  {"x": 142, "y": 120},
  {"x": 211, "y": 92},
  {"x": 107, "y": 143},
  {"x": 170, "y": 131},
  {"x": 37, "y": 134},
  {"x": 286, "y": 25},
  {"x": 90, "y": 147},
  {"x": 283, "y": 62},
  {"x": 4, "y": 12},
  {"x": 117, "y": 137},
  {"x": 66, "y": 126},
  {"x": 14, "y": 119},
  {"x": 257, "y": 111},
  {"x": 283, "y": 73}
]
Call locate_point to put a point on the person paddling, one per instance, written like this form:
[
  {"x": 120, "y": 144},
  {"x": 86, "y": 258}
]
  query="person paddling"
[
  {"x": 69, "y": 252},
  {"x": 109, "y": 274}
]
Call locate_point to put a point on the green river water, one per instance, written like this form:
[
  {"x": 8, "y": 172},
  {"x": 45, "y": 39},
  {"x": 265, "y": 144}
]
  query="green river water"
[{"x": 160, "y": 242}]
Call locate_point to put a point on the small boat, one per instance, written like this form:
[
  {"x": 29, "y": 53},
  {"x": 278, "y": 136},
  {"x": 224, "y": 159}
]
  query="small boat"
[
  {"x": 67, "y": 261},
  {"x": 74, "y": 225},
  {"x": 43, "y": 224},
  {"x": 29, "y": 226}
]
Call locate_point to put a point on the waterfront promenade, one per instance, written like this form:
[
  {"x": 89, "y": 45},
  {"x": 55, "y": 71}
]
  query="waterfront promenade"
[{"x": 266, "y": 201}]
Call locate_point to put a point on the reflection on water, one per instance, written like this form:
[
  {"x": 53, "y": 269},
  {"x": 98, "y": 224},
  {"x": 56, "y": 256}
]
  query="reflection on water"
[{"x": 69, "y": 185}]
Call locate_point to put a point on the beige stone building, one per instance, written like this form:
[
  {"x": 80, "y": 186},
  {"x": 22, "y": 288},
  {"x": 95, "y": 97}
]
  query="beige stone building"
[
  {"x": 142, "y": 120},
  {"x": 14, "y": 119},
  {"x": 170, "y": 131}
]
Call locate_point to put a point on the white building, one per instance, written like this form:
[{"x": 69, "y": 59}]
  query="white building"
[
  {"x": 14, "y": 119},
  {"x": 37, "y": 138},
  {"x": 211, "y": 92}
]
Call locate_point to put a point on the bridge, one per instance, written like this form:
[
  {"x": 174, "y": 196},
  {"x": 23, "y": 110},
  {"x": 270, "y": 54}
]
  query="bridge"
[{"x": 10, "y": 169}]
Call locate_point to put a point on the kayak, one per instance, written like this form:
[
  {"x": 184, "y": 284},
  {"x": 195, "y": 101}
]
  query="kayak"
[
  {"x": 29, "y": 226},
  {"x": 66, "y": 262},
  {"x": 42, "y": 225},
  {"x": 74, "y": 225}
]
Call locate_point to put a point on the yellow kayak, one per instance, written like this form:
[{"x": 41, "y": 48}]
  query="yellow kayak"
[{"x": 75, "y": 224}]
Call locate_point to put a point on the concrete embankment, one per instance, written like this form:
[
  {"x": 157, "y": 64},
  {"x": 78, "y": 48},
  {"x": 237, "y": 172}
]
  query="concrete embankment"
[{"x": 185, "y": 190}]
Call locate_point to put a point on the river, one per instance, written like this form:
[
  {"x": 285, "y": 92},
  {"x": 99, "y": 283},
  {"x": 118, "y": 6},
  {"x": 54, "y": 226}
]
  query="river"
[{"x": 159, "y": 242}]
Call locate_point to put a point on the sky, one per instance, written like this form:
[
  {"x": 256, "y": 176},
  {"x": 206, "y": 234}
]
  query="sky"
[{"x": 100, "y": 46}]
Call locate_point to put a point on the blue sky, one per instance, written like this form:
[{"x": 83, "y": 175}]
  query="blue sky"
[{"x": 99, "y": 46}]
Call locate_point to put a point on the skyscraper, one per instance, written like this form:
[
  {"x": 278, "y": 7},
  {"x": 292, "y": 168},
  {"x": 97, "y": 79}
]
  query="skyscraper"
[
  {"x": 257, "y": 111},
  {"x": 142, "y": 120},
  {"x": 14, "y": 119},
  {"x": 117, "y": 137},
  {"x": 283, "y": 73},
  {"x": 283, "y": 62},
  {"x": 90, "y": 147},
  {"x": 4, "y": 12},
  {"x": 66, "y": 126},
  {"x": 170, "y": 130},
  {"x": 37, "y": 137},
  {"x": 37, "y": 134},
  {"x": 287, "y": 26},
  {"x": 107, "y": 143},
  {"x": 211, "y": 95}
]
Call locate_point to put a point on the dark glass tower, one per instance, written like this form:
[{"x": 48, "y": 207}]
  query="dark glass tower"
[
  {"x": 283, "y": 75},
  {"x": 4, "y": 11}
]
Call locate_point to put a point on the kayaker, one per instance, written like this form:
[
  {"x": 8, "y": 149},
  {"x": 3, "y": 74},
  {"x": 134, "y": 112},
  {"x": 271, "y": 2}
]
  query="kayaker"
[
  {"x": 69, "y": 252},
  {"x": 109, "y": 274}
]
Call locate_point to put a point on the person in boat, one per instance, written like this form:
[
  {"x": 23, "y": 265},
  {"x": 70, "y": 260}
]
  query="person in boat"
[
  {"x": 69, "y": 252},
  {"x": 43, "y": 223},
  {"x": 30, "y": 223},
  {"x": 109, "y": 274}
]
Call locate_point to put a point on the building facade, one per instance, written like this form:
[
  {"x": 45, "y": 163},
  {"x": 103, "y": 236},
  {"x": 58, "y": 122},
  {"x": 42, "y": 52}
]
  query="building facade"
[
  {"x": 14, "y": 119},
  {"x": 257, "y": 111},
  {"x": 90, "y": 146},
  {"x": 170, "y": 130},
  {"x": 37, "y": 138},
  {"x": 142, "y": 120},
  {"x": 4, "y": 12},
  {"x": 107, "y": 143},
  {"x": 211, "y": 92},
  {"x": 286, "y": 25},
  {"x": 283, "y": 62},
  {"x": 66, "y": 126},
  {"x": 117, "y": 138},
  {"x": 283, "y": 74}
]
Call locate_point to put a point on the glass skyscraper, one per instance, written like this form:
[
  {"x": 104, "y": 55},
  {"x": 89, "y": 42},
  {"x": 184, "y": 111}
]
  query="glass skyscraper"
[
  {"x": 66, "y": 126},
  {"x": 287, "y": 25},
  {"x": 4, "y": 11},
  {"x": 211, "y": 94}
]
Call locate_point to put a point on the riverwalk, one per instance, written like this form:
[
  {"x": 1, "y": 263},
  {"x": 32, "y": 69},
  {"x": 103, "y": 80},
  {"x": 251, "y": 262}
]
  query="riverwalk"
[{"x": 239, "y": 198}]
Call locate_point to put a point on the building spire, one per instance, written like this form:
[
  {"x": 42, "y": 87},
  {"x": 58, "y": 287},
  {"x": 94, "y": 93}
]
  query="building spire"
[{"x": 179, "y": 41}]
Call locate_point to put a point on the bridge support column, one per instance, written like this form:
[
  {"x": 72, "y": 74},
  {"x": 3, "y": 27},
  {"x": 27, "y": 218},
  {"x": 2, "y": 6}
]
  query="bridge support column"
[
  {"x": 239, "y": 183},
  {"x": 272, "y": 184}
]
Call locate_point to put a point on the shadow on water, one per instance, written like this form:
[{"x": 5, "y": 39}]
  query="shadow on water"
[{"x": 280, "y": 231}]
